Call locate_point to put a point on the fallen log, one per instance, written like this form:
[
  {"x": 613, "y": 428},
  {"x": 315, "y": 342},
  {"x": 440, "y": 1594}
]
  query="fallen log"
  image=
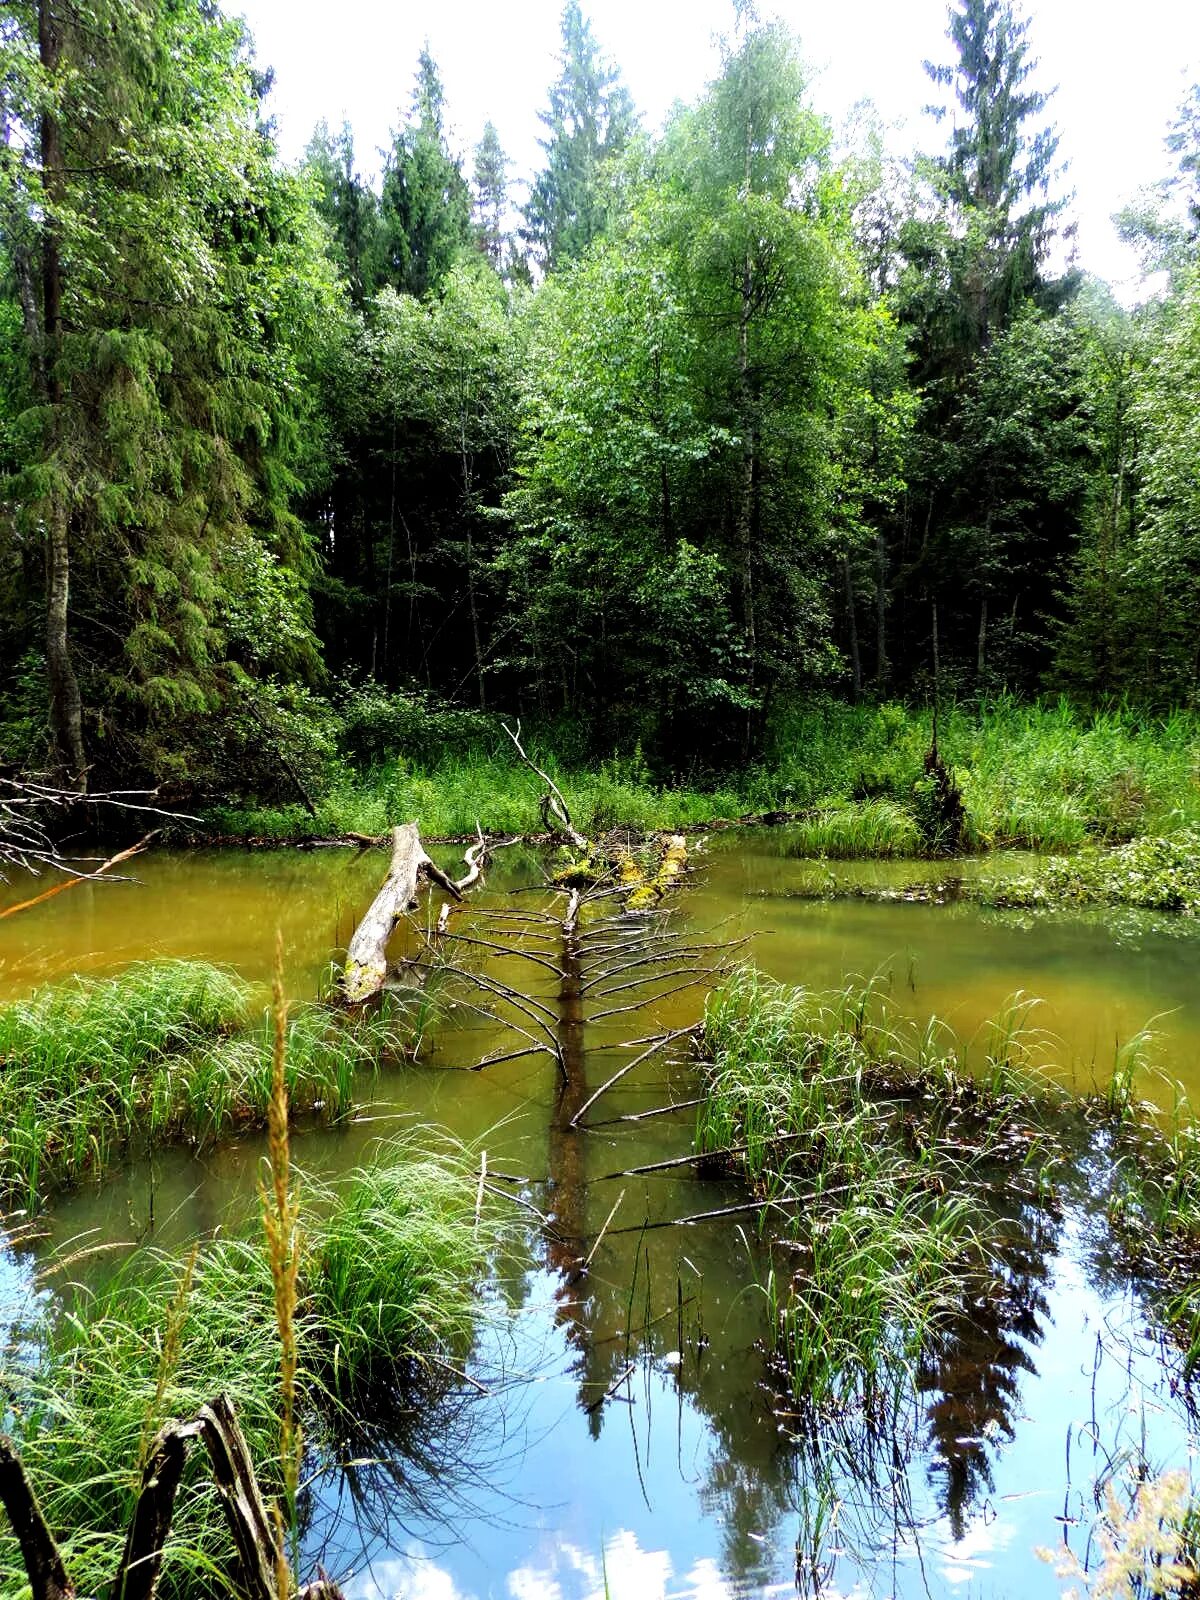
[{"x": 366, "y": 958}]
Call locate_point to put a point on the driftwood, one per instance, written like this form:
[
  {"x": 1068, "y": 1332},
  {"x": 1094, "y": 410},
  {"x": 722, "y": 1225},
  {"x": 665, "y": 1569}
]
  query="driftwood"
[
  {"x": 366, "y": 959},
  {"x": 137, "y": 1575}
]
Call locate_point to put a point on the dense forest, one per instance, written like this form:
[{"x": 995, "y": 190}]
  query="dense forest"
[{"x": 734, "y": 414}]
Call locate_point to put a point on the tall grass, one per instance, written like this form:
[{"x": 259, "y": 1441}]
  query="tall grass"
[
  {"x": 1045, "y": 775},
  {"x": 164, "y": 1051},
  {"x": 384, "y": 1297},
  {"x": 870, "y": 1146}
]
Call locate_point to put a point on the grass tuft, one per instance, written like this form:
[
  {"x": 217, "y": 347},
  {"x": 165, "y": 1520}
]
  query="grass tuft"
[{"x": 165, "y": 1051}]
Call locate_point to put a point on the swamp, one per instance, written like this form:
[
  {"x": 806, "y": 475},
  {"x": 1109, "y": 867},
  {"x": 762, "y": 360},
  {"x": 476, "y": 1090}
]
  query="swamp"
[
  {"x": 739, "y": 1280},
  {"x": 599, "y": 800}
]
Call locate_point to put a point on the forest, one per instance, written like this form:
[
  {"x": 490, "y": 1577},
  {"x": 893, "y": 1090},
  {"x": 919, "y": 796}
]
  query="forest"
[
  {"x": 599, "y": 838},
  {"x": 723, "y": 419}
]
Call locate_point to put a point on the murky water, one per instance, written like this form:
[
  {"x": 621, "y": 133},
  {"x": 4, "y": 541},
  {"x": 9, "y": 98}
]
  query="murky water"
[{"x": 619, "y": 1435}]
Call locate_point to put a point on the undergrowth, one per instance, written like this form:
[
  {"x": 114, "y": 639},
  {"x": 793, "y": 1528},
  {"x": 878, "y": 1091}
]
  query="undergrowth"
[{"x": 1043, "y": 775}]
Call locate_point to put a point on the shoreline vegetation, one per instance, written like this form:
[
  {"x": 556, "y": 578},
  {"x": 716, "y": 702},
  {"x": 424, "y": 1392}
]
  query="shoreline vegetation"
[
  {"x": 892, "y": 1175},
  {"x": 1042, "y": 775},
  {"x": 1114, "y": 791},
  {"x": 164, "y": 1052},
  {"x": 384, "y": 1312}
]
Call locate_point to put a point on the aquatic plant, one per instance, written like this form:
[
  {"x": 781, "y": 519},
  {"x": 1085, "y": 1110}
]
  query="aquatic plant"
[
  {"x": 163, "y": 1335},
  {"x": 1153, "y": 874},
  {"x": 164, "y": 1051},
  {"x": 869, "y": 1144}
]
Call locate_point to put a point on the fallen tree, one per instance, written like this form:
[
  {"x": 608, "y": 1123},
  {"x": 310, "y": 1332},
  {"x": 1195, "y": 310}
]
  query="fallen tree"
[{"x": 366, "y": 957}]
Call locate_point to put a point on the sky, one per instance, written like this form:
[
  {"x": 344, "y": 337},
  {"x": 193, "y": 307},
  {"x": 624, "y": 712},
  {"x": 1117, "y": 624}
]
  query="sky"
[{"x": 1120, "y": 69}]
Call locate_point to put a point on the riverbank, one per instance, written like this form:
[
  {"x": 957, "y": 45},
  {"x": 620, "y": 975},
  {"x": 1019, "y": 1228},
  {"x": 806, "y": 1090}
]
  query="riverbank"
[{"x": 1042, "y": 776}]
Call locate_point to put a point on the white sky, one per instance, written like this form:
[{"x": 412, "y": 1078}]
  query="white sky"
[{"x": 1121, "y": 67}]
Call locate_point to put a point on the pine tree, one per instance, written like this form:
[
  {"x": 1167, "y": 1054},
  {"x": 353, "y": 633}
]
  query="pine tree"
[
  {"x": 425, "y": 210},
  {"x": 590, "y": 119}
]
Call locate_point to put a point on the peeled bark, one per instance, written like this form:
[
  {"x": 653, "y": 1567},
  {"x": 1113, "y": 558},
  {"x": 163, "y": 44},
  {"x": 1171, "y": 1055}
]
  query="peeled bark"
[{"x": 366, "y": 958}]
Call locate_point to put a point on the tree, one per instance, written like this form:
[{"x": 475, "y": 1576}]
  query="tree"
[
  {"x": 975, "y": 248},
  {"x": 178, "y": 280},
  {"x": 490, "y": 200},
  {"x": 346, "y": 205},
  {"x": 425, "y": 209},
  {"x": 590, "y": 119}
]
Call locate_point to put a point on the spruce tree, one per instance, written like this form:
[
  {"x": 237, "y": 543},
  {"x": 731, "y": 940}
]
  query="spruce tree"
[
  {"x": 589, "y": 119},
  {"x": 425, "y": 210},
  {"x": 171, "y": 281},
  {"x": 346, "y": 205},
  {"x": 490, "y": 200}
]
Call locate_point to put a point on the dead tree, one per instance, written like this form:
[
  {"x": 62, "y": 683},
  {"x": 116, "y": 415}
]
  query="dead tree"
[{"x": 366, "y": 958}]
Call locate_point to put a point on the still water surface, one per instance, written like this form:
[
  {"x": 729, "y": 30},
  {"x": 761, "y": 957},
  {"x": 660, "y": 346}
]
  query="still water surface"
[{"x": 618, "y": 1435}]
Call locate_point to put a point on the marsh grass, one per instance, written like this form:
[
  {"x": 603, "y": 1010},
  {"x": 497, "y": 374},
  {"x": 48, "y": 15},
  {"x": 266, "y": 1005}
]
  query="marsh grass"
[
  {"x": 1151, "y": 874},
  {"x": 165, "y": 1051},
  {"x": 897, "y": 1151},
  {"x": 1045, "y": 775},
  {"x": 384, "y": 1308},
  {"x": 885, "y": 1145}
]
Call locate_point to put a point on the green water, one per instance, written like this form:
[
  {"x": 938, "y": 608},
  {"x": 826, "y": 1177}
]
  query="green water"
[{"x": 619, "y": 1435}]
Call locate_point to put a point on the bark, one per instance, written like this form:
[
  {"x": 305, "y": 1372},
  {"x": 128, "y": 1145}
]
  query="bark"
[
  {"x": 852, "y": 625},
  {"x": 137, "y": 1576},
  {"x": 66, "y": 715},
  {"x": 882, "y": 665},
  {"x": 44, "y": 1566},
  {"x": 981, "y": 646},
  {"x": 366, "y": 959},
  {"x": 241, "y": 1498}
]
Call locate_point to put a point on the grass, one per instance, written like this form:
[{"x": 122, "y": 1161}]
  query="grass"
[
  {"x": 880, "y": 1214},
  {"x": 1043, "y": 775},
  {"x": 1150, "y": 874},
  {"x": 166, "y": 1051},
  {"x": 385, "y": 1274},
  {"x": 884, "y": 1165}
]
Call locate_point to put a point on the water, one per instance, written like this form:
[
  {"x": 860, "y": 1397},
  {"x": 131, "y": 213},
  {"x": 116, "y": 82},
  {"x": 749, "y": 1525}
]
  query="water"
[{"x": 619, "y": 1433}]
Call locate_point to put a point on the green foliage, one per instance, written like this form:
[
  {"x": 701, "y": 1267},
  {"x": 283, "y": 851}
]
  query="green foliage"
[
  {"x": 1152, "y": 874},
  {"x": 173, "y": 397},
  {"x": 1043, "y": 775},
  {"x": 425, "y": 208},
  {"x": 589, "y": 120}
]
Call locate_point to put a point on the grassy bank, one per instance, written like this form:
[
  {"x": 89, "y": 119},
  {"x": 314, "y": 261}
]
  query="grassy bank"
[
  {"x": 165, "y": 1051},
  {"x": 1044, "y": 775},
  {"x": 385, "y": 1304},
  {"x": 898, "y": 1185},
  {"x": 1150, "y": 874}
]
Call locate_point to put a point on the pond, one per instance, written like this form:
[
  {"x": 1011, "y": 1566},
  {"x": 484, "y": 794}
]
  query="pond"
[{"x": 618, "y": 1430}]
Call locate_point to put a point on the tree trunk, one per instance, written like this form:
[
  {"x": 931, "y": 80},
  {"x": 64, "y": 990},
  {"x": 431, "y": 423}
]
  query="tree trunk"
[
  {"x": 981, "y": 647},
  {"x": 882, "y": 665},
  {"x": 852, "y": 624},
  {"x": 366, "y": 959},
  {"x": 66, "y": 714}
]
